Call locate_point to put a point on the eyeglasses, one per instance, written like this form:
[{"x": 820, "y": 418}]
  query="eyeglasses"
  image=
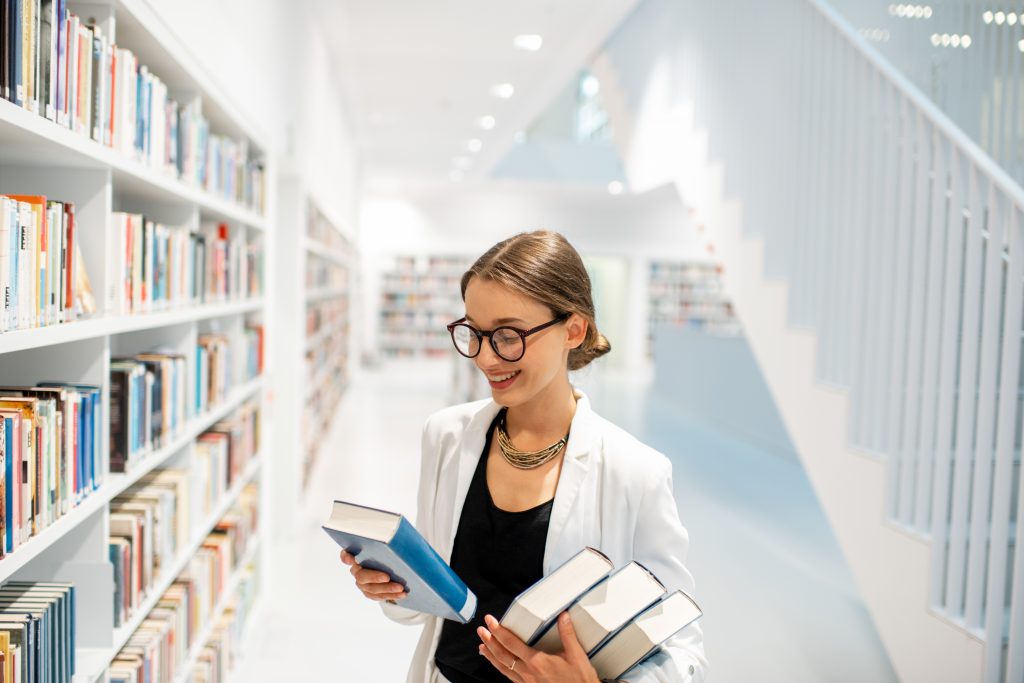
[{"x": 509, "y": 343}]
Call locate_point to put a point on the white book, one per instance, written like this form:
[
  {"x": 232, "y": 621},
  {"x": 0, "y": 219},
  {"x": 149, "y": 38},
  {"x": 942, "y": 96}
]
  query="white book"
[
  {"x": 6, "y": 219},
  {"x": 538, "y": 606},
  {"x": 115, "y": 270},
  {"x": 644, "y": 635},
  {"x": 606, "y": 607},
  {"x": 27, "y": 285}
]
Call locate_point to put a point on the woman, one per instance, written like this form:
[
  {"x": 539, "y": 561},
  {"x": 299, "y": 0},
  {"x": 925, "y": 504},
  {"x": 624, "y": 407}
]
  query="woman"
[{"x": 512, "y": 487}]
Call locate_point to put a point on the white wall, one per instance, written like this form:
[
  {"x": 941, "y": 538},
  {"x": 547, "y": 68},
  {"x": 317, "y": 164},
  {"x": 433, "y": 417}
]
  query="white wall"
[{"x": 470, "y": 218}]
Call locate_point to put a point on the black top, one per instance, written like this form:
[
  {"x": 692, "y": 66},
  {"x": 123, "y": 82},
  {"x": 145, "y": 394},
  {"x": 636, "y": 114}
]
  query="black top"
[{"x": 498, "y": 554}]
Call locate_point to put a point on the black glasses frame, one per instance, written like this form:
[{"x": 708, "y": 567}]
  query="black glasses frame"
[{"x": 523, "y": 334}]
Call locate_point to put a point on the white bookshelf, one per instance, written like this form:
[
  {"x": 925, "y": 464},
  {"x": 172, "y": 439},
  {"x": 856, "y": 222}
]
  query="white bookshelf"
[
  {"x": 316, "y": 297},
  {"x": 419, "y": 296},
  {"x": 330, "y": 265},
  {"x": 688, "y": 293},
  {"x": 38, "y": 156}
]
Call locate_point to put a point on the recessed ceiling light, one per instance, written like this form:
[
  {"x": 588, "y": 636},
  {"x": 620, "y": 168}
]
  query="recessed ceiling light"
[
  {"x": 615, "y": 187},
  {"x": 487, "y": 122},
  {"x": 503, "y": 90},
  {"x": 474, "y": 145},
  {"x": 530, "y": 42}
]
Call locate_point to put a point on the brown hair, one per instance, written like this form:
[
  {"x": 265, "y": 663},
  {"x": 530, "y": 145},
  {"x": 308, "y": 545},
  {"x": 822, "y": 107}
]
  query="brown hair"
[{"x": 545, "y": 267}]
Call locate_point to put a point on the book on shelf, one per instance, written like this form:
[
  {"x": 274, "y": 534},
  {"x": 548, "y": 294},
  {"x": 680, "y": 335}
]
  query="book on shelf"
[
  {"x": 233, "y": 442},
  {"x": 49, "y": 456},
  {"x": 213, "y": 663},
  {"x": 149, "y": 522},
  {"x": 388, "y": 542},
  {"x": 148, "y": 404},
  {"x": 644, "y": 634},
  {"x": 43, "y": 279},
  {"x": 535, "y": 609},
  {"x": 214, "y": 370},
  {"x": 161, "y": 643},
  {"x": 606, "y": 607},
  {"x": 37, "y": 631},
  {"x": 71, "y": 71},
  {"x": 156, "y": 267}
]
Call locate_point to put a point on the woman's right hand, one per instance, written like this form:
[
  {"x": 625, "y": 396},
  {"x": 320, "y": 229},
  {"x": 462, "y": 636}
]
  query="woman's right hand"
[{"x": 375, "y": 585}]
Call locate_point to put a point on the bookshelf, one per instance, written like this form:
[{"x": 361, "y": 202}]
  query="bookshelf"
[
  {"x": 419, "y": 296},
  {"x": 39, "y": 156},
  {"x": 316, "y": 297},
  {"x": 688, "y": 294},
  {"x": 330, "y": 265}
]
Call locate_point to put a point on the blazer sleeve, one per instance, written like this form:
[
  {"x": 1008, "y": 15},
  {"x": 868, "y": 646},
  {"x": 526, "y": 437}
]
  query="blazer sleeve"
[
  {"x": 660, "y": 543},
  {"x": 424, "y": 520}
]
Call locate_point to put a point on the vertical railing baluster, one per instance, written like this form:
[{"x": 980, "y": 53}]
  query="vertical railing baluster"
[
  {"x": 916, "y": 292},
  {"x": 984, "y": 442},
  {"x": 967, "y": 394},
  {"x": 949, "y": 368},
  {"x": 901, "y": 283},
  {"x": 935, "y": 342},
  {"x": 1006, "y": 435}
]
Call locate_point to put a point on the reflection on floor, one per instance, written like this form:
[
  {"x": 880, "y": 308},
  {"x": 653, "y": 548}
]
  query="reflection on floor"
[{"x": 779, "y": 602}]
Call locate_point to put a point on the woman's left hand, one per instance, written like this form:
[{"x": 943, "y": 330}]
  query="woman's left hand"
[{"x": 523, "y": 664}]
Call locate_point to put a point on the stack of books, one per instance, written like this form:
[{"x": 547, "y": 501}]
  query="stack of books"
[{"x": 621, "y": 617}]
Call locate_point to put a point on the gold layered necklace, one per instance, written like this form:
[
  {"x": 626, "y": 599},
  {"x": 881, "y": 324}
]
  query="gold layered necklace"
[{"x": 525, "y": 460}]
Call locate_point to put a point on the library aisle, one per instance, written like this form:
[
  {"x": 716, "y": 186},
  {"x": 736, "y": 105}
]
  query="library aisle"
[{"x": 779, "y": 603}]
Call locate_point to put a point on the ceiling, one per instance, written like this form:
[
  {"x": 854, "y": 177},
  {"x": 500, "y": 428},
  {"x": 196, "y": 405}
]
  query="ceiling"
[{"x": 417, "y": 76}]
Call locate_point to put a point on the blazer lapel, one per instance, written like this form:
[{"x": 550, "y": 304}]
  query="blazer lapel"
[
  {"x": 575, "y": 466},
  {"x": 470, "y": 448}
]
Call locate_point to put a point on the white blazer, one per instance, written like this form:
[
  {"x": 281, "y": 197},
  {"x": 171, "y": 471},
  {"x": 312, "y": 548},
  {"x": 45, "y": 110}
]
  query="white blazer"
[{"x": 614, "y": 493}]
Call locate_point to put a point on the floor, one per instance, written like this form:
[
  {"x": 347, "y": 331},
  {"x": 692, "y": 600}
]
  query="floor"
[{"x": 779, "y": 603}]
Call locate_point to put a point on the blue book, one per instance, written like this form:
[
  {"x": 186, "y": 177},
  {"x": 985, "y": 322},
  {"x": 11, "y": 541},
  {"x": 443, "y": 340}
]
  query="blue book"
[{"x": 387, "y": 542}]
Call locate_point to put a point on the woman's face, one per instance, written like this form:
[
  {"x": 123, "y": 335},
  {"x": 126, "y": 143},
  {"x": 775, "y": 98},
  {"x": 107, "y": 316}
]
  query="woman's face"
[{"x": 490, "y": 305}]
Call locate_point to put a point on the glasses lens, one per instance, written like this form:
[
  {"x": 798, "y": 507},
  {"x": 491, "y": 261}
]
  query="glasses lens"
[
  {"x": 508, "y": 343},
  {"x": 466, "y": 342}
]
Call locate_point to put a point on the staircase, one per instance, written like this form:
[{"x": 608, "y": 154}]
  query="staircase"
[{"x": 874, "y": 254}]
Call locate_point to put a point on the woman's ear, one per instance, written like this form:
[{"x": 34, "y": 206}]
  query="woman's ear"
[{"x": 576, "y": 328}]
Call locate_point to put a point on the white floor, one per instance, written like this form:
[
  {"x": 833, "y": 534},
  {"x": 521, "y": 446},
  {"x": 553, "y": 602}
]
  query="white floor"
[{"x": 778, "y": 600}]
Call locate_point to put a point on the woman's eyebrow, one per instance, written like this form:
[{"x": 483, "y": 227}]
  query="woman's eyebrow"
[{"x": 499, "y": 321}]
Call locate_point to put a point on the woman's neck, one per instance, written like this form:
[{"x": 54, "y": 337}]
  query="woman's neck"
[{"x": 547, "y": 416}]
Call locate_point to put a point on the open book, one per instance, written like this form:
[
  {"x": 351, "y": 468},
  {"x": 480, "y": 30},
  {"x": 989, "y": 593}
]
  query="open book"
[{"x": 387, "y": 542}]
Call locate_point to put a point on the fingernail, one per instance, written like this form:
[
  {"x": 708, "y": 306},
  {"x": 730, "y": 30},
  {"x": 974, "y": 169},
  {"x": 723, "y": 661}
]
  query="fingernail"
[{"x": 564, "y": 617}]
